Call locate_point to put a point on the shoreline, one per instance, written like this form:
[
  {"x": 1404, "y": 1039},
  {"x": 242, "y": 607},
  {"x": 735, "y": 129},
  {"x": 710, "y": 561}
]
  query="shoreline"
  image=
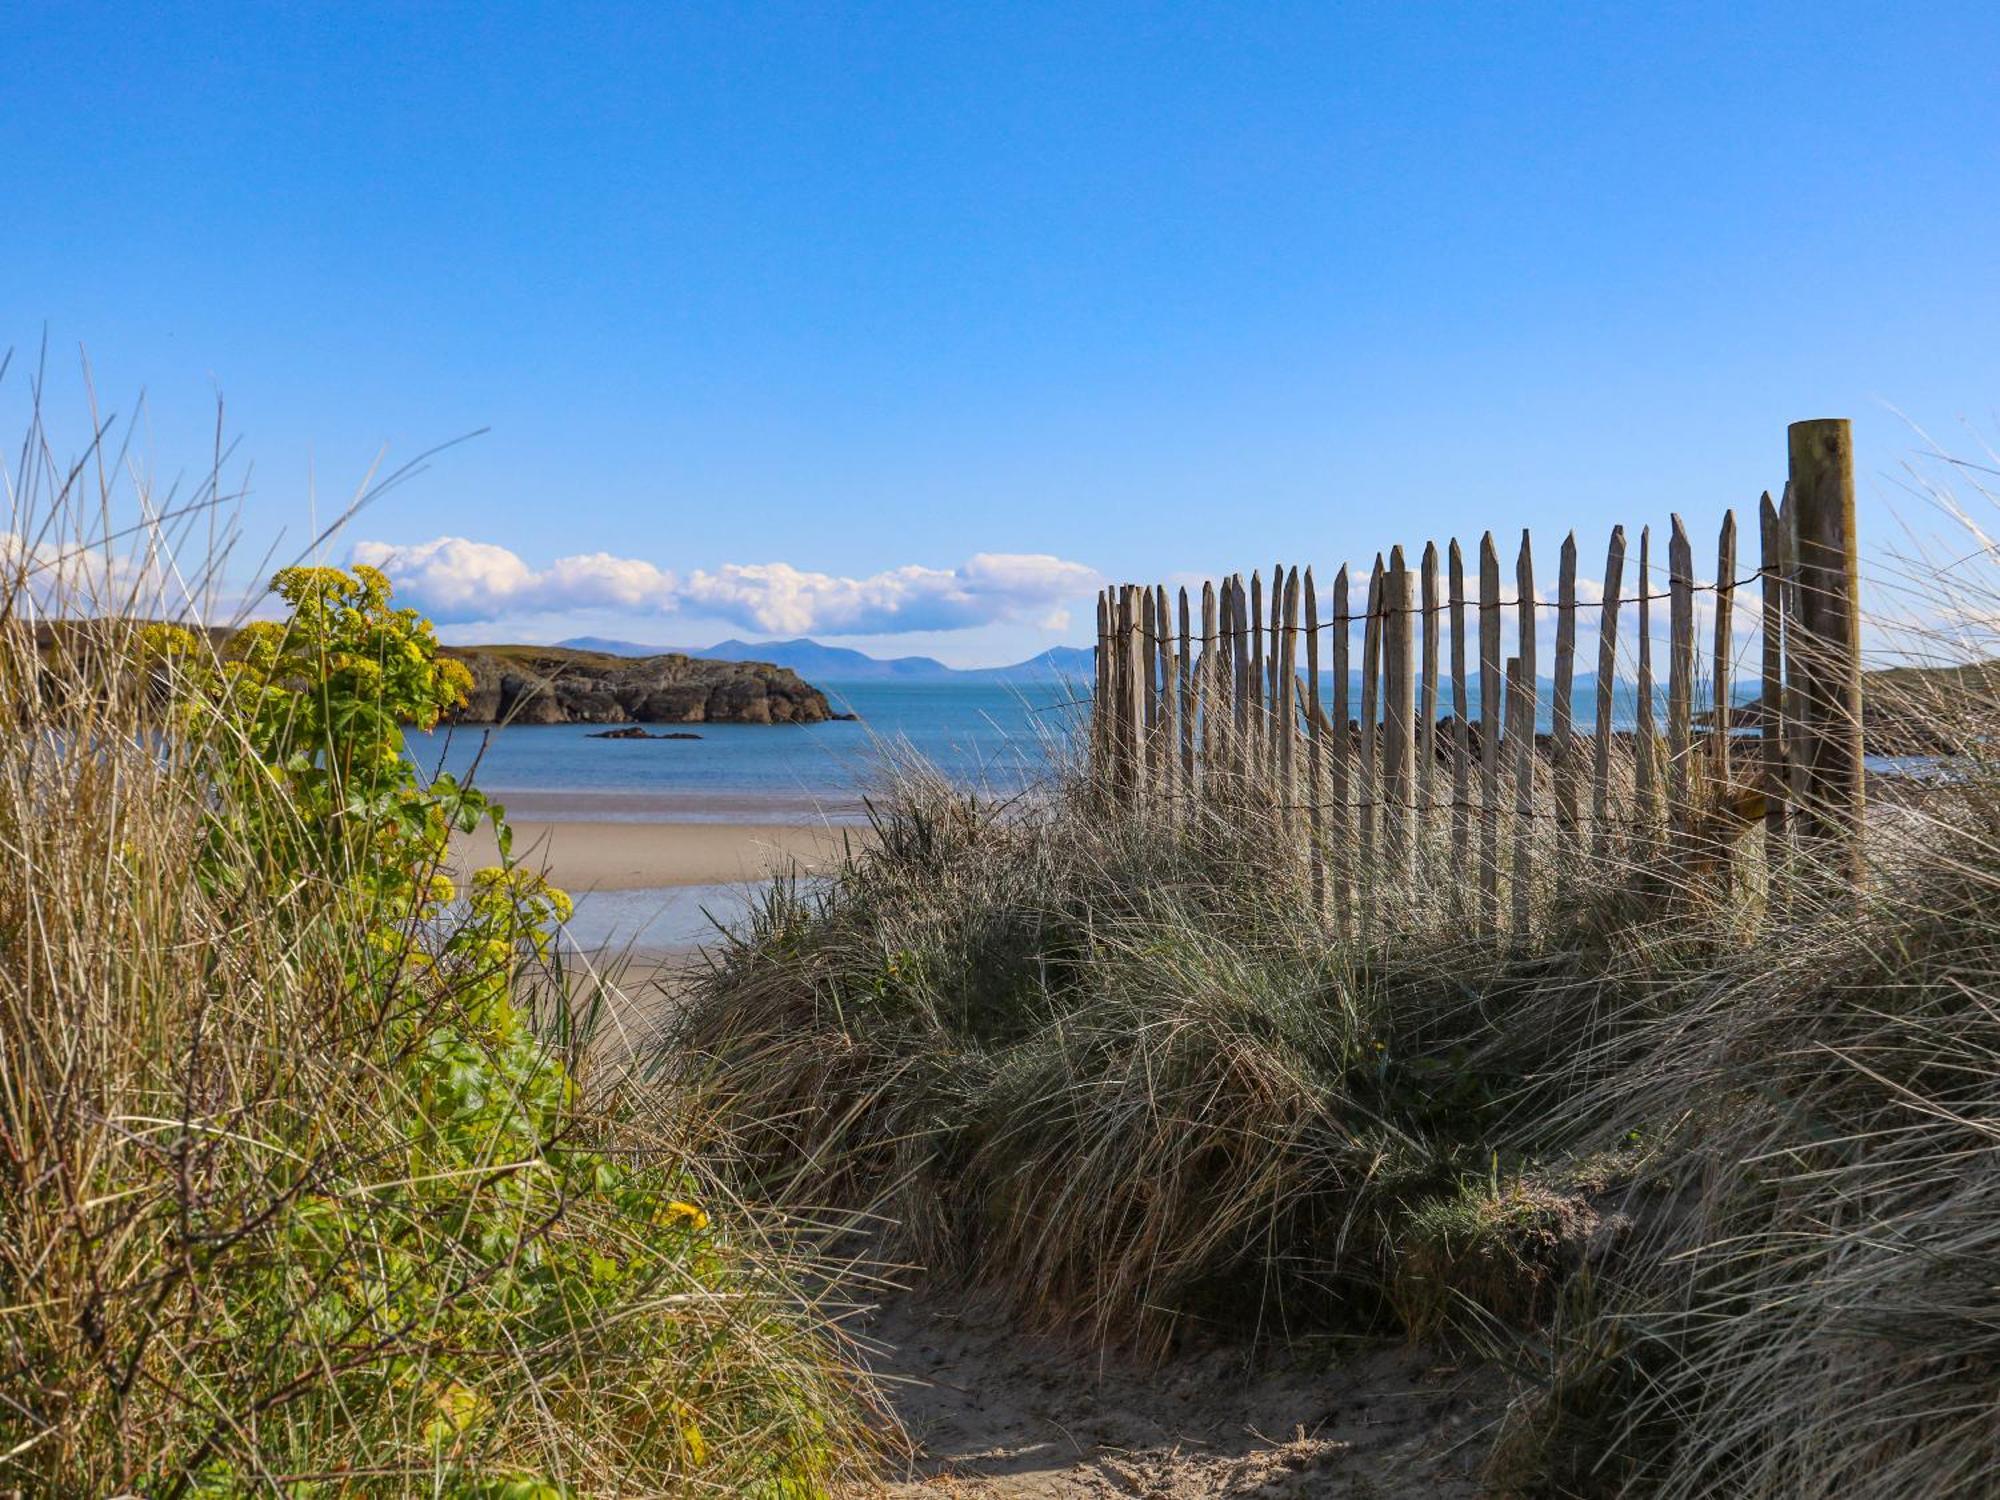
[{"x": 676, "y": 808}]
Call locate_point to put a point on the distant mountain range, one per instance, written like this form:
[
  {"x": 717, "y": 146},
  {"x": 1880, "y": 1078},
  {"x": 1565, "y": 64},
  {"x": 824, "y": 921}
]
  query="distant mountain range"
[{"x": 823, "y": 664}]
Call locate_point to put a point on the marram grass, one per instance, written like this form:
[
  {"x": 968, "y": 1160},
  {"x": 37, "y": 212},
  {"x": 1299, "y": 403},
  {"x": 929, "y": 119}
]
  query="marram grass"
[
  {"x": 1713, "y": 1169},
  {"x": 307, "y": 1186}
]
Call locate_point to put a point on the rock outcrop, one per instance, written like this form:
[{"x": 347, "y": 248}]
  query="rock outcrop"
[{"x": 555, "y": 685}]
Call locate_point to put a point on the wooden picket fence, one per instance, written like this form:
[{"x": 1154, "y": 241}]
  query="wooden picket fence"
[{"x": 1400, "y": 792}]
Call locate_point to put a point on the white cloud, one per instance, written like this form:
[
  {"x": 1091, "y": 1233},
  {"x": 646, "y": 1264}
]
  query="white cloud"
[{"x": 454, "y": 579}]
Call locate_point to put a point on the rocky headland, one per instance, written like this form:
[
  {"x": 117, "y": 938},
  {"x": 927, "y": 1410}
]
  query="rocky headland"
[{"x": 557, "y": 685}]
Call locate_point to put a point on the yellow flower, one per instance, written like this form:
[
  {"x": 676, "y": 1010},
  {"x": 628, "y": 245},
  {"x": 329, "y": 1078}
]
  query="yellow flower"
[
  {"x": 297, "y": 585},
  {"x": 678, "y": 1214},
  {"x": 168, "y": 640},
  {"x": 560, "y": 903},
  {"x": 373, "y": 583}
]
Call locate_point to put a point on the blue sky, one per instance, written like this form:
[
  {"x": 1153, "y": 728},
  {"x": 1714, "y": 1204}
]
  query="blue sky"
[{"x": 963, "y": 307}]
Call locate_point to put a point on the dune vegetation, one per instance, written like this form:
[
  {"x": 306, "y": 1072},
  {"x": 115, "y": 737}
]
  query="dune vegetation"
[
  {"x": 309, "y": 1181},
  {"x": 1711, "y": 1180}
]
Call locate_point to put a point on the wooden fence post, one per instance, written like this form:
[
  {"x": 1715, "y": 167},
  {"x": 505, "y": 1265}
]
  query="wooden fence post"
[
  {"x": 1828, "y": 661},
  {"x": 1285, "y": 618},
  {"x": 1461, "y": 762},
  {"x": 1138, "y": 687},
  {"x": 1099, "y": 699},
  {"x": 1562, "y": 716},
  {"x": 1607, "y": 677},
  {"x": 1341, "y": 789},
  {"x": 1368, "y": 874},
  {"x": 1427, "y": 703},
  {"x": 1771, "y": 733},
  {"x": 1522, "y": 889},
  {"x": 1184, "y": 665},
  {"x": 1239, "y": 680},
  {"x": 1489, "y": 737},
  {"x": 1646, "y": 763},
  {"x": 1680, "y": 683},
  {"x": 1399, "y": 711},
  {"x": 1315, "y": 736},
  {"x": 1260, "y": 728},
  {"x": 1149, "y": 665},
  {"x": 1722, "y": 848}
]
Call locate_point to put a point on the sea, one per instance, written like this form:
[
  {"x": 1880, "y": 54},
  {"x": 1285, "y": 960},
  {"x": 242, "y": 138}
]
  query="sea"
[{"x": 999, "y": 739}]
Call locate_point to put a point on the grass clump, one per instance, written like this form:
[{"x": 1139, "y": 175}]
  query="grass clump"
[
  {"x": 307, "y": 1183},
  {"x": 1709, "y": 1164},
  {"x": 1113, "y": 1064},
  {"x": 1817, "y": 1314}
]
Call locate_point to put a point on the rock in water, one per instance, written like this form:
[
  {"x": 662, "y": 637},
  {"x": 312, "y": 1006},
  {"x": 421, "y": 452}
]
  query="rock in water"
[
  {"x": 635, "y": 732},
  {"x": 555, "y": 685}
]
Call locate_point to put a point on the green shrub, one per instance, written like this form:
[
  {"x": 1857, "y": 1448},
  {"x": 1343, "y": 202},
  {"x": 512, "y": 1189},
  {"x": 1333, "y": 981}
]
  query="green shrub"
[{"x": 304, "y": 1186}]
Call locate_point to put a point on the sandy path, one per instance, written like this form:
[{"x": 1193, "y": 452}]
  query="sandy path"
[{"x": 998, "y": 1415}]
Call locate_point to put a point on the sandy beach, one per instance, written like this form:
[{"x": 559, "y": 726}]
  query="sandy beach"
[{"x": 624, "y": 856}]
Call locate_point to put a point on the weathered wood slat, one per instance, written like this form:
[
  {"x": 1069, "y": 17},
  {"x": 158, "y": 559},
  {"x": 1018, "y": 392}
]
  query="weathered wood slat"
[
  {"x": 1725, "y": 646},
  {"x": 1461, "y": 759},
  {"x": 1100, "y": 756},
  {"x": 1341, "y": 783},
  {"x": 1286, "y": 721},
  {"x": 1645, "y": 747},
  {"x": 1562, "y": 721},
  {"x": 1185, "y": 683},
  {"x": 1166, "y": 755},
  {"x": 1517, "y": 883},
  {"x": 1427, "y": 706},
  {"x": 1607, "y": 680},
  {"x": 1398, "y": 717},
  {"x": 1828, "y": 665},
  {"x": 1275, "y": 664},
  {"x": 1720, "y": 749},
  {"x": 1205, "y": 679},
  {"x": 1771, "y": 731},
  {"x": 1239, "y": 679},
  {"x": 1524, "y": 752},
  {"x": 1680, "y": 678},
  {"x": 1489, "y": 737},
  {"x": 1135, "y": 685},
  {"x": 1151, "y": 679},
  {"x": 1114, "y": 685},
  {"x": 1315, "y": 756},
  {"x": 1258, "y": 747},
  {"x": 1370, "y": 795}
]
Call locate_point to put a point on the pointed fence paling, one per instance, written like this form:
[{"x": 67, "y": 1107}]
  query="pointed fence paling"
[{"x": 1256, "y": 714}]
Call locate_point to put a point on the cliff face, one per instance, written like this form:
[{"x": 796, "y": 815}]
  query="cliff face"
[{"x": 555, "y": 685}]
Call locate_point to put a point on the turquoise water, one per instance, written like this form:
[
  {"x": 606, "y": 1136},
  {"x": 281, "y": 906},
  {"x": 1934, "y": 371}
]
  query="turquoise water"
[{"x": 994, "y": 737}]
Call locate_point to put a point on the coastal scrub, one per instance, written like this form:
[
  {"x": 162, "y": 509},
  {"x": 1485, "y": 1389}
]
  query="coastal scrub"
[{"x": 305, "y": 1183}]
